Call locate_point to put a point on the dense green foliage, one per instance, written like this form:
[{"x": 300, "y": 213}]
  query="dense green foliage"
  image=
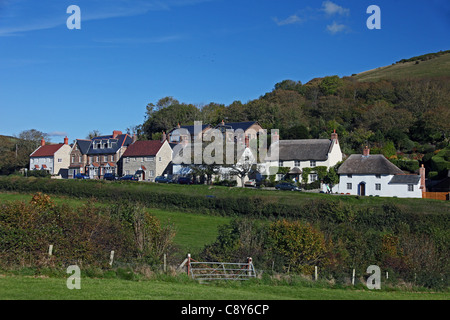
[
  {"x": 409, "y": 238},
  {"x": 83, "y": 236}
]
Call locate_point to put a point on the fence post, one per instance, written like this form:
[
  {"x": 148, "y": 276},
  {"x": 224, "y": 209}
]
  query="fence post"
[
  {"x": 111, "y": 258},
  {"x": 189, "y": 263},
  {"x": 50, "y": 250},
  {"x": 165, "y": 267},
  {"x": 249, "y": 267},
  {"x": 353, "y": 277},
  {"x": 315, "y": 272}
]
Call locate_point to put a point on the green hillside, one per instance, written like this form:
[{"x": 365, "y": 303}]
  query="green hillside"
[{"x": 426, "y": 66}]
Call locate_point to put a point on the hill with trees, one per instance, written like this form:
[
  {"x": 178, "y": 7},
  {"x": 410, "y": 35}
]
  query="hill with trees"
[{"x": 401, "y": 114}]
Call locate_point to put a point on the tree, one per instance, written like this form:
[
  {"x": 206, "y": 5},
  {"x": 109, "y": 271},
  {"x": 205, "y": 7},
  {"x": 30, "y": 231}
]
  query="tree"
[
  {"x": 92, "y": 134},
  {"x": 301, "y": 245}
]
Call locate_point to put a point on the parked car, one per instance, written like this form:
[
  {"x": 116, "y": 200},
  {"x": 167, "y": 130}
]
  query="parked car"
[
  {"x": 81, "y": 176},
  {"x": 110, "y": 176},
  {"x": 185, "y": 180},
  {"x": 287, "y": 186},
  {"x": 161, "y": 179},
  {"x": 252, "y": 183},
  {"x": 129, "y": 177}
]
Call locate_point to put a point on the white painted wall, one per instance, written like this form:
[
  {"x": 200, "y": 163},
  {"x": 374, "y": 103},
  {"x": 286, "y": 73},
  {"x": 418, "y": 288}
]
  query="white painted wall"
[{"x": 387, "y": 190}]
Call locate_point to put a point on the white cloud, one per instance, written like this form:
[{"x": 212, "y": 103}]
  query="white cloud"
[
  {"x": 336, "y": 28},
  {"x": 290, "y": 20},
  {"x": 331, "y": 9}
]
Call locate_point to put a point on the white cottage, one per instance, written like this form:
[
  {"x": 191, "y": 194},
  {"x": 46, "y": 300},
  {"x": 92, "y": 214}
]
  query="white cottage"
[
  {"x": 374, "y": 175},
  {"x": 305, "y": 153},
  {"x": 55, "y": 158}
]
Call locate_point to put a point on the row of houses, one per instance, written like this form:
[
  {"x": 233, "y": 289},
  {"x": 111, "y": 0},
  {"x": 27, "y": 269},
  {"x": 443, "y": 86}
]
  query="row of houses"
[{"x": 122, "y": 154}]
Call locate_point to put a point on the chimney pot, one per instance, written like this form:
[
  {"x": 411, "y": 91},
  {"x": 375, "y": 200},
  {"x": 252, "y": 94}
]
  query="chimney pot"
[{"x": 366, "y": 151}]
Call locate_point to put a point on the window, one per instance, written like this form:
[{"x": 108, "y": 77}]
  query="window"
[
  {"x": 349, "y": 186},
  {"x": 148, "y": 159},
  {"x": 73, "y": 159},
  {"x": 410, "y": 187},
  {"x": 151, "y": 172},
  {"x": 349, "y": 176},
  {"x": 142, "y": 159},
  {"x": 134, "y": 159},
  {"x": 313, "y": 177},
  {"x": 105, "y": 158},
  {"x": 59, "y": 160},
  {"x": 280, "y": 163},
  {"x": 378, "y": 186},
  {"x": 312, "y": 163},
  {"x": 31, "y": 160},
  {"x": 378, "y": 176},
  {"x": 297, "y": 163},
  {"x": 127, "y": 159},
  {"x": 94, "y": 146},
  {"x": 159, "y": 159}
]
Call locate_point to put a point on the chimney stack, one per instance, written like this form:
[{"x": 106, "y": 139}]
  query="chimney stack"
[
  {"x": 163, "y": 137},
  {"x": 422, "y": 179},
  {"x": 116, "y": 133},
  {"x": 275, "y": 136},
  {"x": 42, "y": 142},
  {"x": 134, "y": 138},
  {"x": 334, "y": 136},
  {"x": 247, "y": 142},
  {"x": 66, "y": 140},
  {"x": 366, "y": 151}
]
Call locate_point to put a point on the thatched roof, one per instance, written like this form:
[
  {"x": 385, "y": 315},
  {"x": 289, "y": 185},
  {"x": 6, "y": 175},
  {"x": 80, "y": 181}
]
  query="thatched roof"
[
  {"x": 305, "y": 149},
  {"x": 372, "y": 164},
  {"x": 405, "y": 179}
]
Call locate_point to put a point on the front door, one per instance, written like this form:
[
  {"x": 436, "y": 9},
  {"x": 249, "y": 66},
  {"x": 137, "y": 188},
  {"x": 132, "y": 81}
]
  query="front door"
[
  {"x": 362, "y": 189},
  {"x": 143, "y": 175}
]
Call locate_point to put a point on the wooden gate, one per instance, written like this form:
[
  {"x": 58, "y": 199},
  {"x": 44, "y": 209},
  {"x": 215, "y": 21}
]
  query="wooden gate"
[{"x": 207, "y": 271}]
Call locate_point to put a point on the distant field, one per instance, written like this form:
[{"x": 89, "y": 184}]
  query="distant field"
[
  {"x": 436, "y": 67},
  {"x": 14, "y": 287}
]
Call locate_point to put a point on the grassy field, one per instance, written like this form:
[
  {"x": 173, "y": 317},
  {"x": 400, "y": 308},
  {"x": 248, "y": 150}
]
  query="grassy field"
[
  {"x": 190, "y": 239},
  {"x": 436, "y": 67},
  {"x": 13, "y": 287}
]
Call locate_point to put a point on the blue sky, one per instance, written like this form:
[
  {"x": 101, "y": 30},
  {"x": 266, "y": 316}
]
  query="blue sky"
[{"x": 130, "y": 53}]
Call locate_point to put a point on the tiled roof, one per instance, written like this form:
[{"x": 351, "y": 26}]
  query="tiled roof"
[
  {"x": 47, "y": 151},
  {"x": 115, "y": 144},
  {"x": 237, "y": 125},
  {"x": 143, "y": 148}
]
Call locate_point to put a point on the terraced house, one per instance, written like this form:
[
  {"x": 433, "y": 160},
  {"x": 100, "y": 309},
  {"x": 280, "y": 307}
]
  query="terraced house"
[
  {"x": 104, "y": 153},
  {"x": 147, "y": 159}
]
